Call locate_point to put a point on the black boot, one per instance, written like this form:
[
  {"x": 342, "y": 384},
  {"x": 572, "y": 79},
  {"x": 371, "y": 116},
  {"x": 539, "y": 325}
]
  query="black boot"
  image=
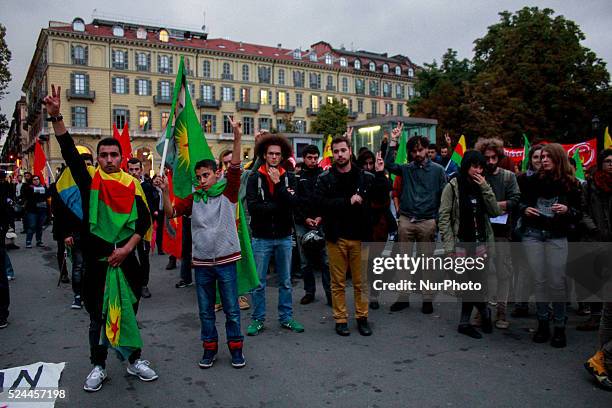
[
  {"x": 469, "y": 330},
  {"x": 399, "y": 305},
  {"x": 486, "y": 325},
  {"x": 171, "y": 263},
  {"x": 558, "y": 339},
  {"x": 342, "y": 329},
  {"x": 543, "y": 333},
  {"x": 364, "y": 327}
]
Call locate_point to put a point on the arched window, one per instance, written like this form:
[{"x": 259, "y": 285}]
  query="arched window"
[
  {"x": 343, "y": 62},
  {"x": 329, "y": 59},
  {"x": 141, "y": 34},
  {"x": 372, "y": 66},
  {"x": 398, "y": 70},
  {"x": 118, "y": 31},
  {"x": 410, "y": 72},
  {"x": 297, "y": 54},
  {"x": 357, "y": 64},
  {"x": 313, "y": 56},
  {"x": 79, "y": 53},
  {"x": 78, "y": 24},
  {"x": 385, "y": 68}
]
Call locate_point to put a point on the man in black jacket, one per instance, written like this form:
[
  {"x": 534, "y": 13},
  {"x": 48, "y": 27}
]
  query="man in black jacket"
[
  {"x": 344, "y": 193},
  {"x": 270, "y": 196},
  {"x": 308, "y": 217},
  {"x": 99, "y": 253},
  {"x": 5, "y": 214},
  {"x": 144, "y": 247}
]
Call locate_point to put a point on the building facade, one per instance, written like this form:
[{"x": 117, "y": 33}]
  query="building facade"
[{"x": 122, "y": 73}]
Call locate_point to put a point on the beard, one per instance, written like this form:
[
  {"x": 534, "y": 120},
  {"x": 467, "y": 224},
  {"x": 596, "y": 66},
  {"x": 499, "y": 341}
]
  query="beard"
[
  {"x": 490, "y": 168},
  {"x": 342, "y": 164}
]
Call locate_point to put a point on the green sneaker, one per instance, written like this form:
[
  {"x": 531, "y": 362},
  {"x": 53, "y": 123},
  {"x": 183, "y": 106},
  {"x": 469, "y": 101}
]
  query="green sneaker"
[
  {"x": 255, "y": 327},
  {"x": 293, "y": 325}
]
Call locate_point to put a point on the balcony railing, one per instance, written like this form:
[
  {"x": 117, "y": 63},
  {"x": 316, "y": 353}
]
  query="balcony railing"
[
  {"x": 86, "y": 131},
  {"x": 145, "y": 133},
  {"x": 229, "y": 77},
  {"x": 352, "y": 115},
  {"x": 162, "y": 100},
  {"x": 312, "y": 111},
  {"x": 283, "y": 109},
  {"x": 330, "y": 88},
  {"x": 208, "y": 103},
  {"x": 374, "y": 115},
  {"x": 247, "y": 106},
  {"x": 88, "y": 94}
]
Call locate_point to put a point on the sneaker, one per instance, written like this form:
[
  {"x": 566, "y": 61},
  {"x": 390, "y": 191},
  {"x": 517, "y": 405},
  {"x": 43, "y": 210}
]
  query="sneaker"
[
  {"x": 584, "y": 309},
  {"x": 40, "y": 244},
  {"x": 182, "y": 284},
  {"x": 255, "y": 328},
  {"x": 94, "y": 380},
  {"x": 141, "y": 369},
  {"x": 10, "y": 277},
  {"x": 293, "y": 325},
  {"x": 235, "y": 348},
  {"x": 243, "y": 303},
  {"x": 595, "y": 367},
  {"x": 500, "y": 320},
  {"x": 218, "y": 307},
  {"x": 307, "y": 299},
  {"x": 76, "y": 304},
  {"x": 145, "y": 293},
  {"x": 3, "y": 323},
  {"x": 28, "y": 245},
  {"x": 210, "y": 354}
]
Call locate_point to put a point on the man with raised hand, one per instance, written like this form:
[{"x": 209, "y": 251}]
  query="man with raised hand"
[
  {"x": 100, "y": 250},
  {"x": 215, "y": 249}
]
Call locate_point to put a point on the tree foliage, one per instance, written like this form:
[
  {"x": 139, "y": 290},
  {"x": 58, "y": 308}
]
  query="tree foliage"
[
  {"x": 331, "y": 119},
  {"x": 5, "y": 75},
  {"x": 529, "y": 74}
]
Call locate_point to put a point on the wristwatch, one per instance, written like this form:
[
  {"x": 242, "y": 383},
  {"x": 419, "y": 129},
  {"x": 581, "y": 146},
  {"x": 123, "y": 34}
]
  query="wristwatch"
[{"x": 54, "y": 119}]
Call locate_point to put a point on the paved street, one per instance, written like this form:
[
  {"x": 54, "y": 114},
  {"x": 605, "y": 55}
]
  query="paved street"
[{"x": 411, "y": 360}]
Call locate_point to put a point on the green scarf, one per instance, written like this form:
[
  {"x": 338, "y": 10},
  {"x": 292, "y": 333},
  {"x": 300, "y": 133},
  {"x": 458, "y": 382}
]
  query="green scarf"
[{"x": 214, "y": 191}]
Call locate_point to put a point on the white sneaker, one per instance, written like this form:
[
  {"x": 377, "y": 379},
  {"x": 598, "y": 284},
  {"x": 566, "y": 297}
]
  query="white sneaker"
[
  {"x": 95, "y": 379},
  {"x": 141, "y": 369}
]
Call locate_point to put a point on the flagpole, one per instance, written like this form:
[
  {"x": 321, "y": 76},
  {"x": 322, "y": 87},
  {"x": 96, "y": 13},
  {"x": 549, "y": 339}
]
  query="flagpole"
[
  {"x": 50, "y": 172},
  {"x": 163, "y": 160}
]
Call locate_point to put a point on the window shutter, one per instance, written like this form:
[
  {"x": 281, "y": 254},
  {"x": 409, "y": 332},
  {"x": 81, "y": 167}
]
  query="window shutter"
[
  {"x": 72, "y": 81},
  {"x": 159, "y": 88},
  {"x": 125, "y": 60},
  {"x": 287, "y": 98},
  {"x": 127, "y": 85},
  {"x": 114, "y": 86},
  {"x": 269, "y": 96},
  {"x": 72, "y": 53},
  {"x": 158, "y": 63},
  {"x": 149, "y": 90},
  {"x": 87, "y": 83},
  {"x": 148, "y": 61},
  {"x": 170, "y": 65},
  {"x": 86, "y": 119},
  {"x": 127, "y": 117},
  {"x": 73, "y": 113},
  {"x": 86, "y": 55},
  {"x": 114, "y": 58},
  {"x": 213, "y": 92}
]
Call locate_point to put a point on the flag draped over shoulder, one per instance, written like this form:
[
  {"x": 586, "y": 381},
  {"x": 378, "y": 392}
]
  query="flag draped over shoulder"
[
  {"x": 121, "y": 330},
  {"x": 526, "y": 149},
  {"x": 459, "y": 151},
  {"x": 112, "y": 206},
  {"x": 245, "y": 269},
  {"x": 69, "y": 192},
  {"x": 186, "y": 142}
]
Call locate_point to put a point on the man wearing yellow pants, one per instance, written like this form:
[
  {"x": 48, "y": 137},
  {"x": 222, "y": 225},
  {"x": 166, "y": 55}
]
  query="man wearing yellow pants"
[{"x": 344, "y": 193}]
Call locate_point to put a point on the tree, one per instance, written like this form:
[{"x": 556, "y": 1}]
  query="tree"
[
  {"x": 442, "y": 91},
  {"x": 533, "y": 76},
  {"x": 331, "y": 119},
  {"x": 5, "y": 75}
]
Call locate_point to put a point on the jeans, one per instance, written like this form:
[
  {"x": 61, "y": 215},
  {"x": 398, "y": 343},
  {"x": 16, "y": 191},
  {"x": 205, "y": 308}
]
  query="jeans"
[
  {"x": 5, "y": 298},
  {"x": 10, "y": 272},
  {"x": 499, "y": 277},
  {"x": 263, "y": 249},
  {"x": 547, "y": 258},
  {"x": 35, "y": 222},
  {"x": 206, "y": 278},
  {"x": 311, "y": 261},
  {"x": 78, "y": 267},
  {"x": 186, "y": 275}
]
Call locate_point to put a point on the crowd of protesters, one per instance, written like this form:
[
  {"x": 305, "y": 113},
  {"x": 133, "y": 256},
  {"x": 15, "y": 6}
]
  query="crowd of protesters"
[{"x": 323, "y": 217}]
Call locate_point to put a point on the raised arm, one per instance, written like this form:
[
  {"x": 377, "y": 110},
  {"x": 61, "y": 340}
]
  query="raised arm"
[{"x": 390, "y": 164}]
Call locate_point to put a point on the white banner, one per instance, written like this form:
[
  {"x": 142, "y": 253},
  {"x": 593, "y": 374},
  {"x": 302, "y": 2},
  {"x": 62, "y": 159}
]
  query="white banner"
[{"x": 35, "y": 385}]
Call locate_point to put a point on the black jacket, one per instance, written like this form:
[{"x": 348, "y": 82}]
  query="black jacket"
[
  {"x": 151, "y": 195},
  {"x": 305, "y": 189},
  {"x": 271, "y": 215},
  {"x": 333, "y": 193}
]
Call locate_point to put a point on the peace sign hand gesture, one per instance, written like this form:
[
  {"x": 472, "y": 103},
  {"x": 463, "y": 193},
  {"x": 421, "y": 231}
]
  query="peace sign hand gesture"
[
  {"x": 379, "y": 165},
  {"x": 236, "y": 127},
  {"x": 395, "y": 133},
  {"x": 52, "y": 102}
]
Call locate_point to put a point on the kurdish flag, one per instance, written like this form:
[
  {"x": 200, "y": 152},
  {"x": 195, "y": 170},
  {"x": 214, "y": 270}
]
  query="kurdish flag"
[
  {"x": 112, "y": 206},
  {"x": 579, "y": 168},
  {"x": 326, "y": 161},
  {"x": 121, "y": 330},
  {"x": 69, "y": 192},
  {"x": 526, "y": 149},
  {"x": 459, "y": 151},
  {"x": 246, "y": 271},
  {"x": 607, "y": 140},
  {"x": 186, "y": 142},
  {"x": 402, "y": 154}
]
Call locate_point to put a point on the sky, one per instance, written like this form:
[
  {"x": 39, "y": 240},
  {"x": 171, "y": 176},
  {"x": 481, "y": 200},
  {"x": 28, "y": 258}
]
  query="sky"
[{"x": 421, "y": 30}]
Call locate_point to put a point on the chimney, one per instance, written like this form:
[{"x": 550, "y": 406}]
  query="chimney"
[{"x": 279, "y": 45}]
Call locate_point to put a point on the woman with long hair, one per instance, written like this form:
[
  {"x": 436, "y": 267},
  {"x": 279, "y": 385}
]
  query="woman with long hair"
[
  {"x": 466, "y": 205},
  {"x": 550, "y": 205}
]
